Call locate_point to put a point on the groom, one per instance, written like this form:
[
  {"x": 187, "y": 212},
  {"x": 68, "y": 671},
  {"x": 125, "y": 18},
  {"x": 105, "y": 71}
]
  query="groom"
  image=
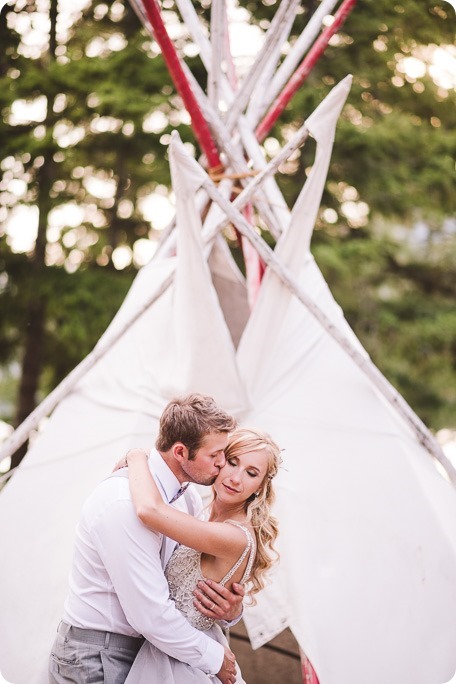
[{"x": 118, "y": 592}]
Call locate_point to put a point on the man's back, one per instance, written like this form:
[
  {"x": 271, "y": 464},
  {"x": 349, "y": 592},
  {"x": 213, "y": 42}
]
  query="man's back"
[{"x": 92, "y": 601}]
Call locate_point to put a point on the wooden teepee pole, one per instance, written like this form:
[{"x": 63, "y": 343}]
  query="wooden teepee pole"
[
  {"x": 246, "y": 195},
  {"x": 254, "y": 267},
  {"x": 231, "y": 74},
  {"x": 274, "y": 218},
  {"x": 303, "y": 70},
  {"x": 215, "y": 74},
  {"x": 279, "y": 27},
  {"x": 258, "y": 108},
  {"x": 199, "y": 122},
  {"x": 233, "y": 153}
]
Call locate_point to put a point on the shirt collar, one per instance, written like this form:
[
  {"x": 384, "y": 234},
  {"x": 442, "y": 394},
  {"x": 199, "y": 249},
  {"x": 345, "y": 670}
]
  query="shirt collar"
[{"x": 164, "y": 475}]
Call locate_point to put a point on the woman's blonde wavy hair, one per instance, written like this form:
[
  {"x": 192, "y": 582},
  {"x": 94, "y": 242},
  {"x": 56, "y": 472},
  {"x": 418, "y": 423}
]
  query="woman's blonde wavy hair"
[{"x": 258, "y": 506}]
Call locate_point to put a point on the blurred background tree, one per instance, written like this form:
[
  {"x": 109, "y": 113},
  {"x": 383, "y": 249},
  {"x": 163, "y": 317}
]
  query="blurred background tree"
[{"x": 87, "y": 109}]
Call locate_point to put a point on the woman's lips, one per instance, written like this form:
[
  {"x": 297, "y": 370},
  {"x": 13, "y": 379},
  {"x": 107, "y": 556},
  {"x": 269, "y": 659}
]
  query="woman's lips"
[{"x": 230, "y": 489}]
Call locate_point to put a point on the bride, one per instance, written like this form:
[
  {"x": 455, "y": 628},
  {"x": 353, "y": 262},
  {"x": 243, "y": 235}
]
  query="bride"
[{"x": 234, "y": 545}]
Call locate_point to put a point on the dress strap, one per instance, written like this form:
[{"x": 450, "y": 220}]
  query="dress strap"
[{"x": 250, "y": 548}]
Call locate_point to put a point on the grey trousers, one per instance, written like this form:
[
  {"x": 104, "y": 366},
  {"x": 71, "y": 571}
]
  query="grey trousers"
[{"x": 88, "y": 656}]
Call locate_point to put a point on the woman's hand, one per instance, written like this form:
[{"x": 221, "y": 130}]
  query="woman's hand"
[
  {"x": 120, "y": 464},
  {"x": 132, "y": 453}
]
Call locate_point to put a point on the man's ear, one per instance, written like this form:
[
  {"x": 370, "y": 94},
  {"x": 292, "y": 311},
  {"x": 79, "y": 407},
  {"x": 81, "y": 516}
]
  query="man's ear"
[{"x": 180, "y": 452}]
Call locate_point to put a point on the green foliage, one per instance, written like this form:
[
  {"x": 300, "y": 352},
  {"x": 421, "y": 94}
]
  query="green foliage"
[
  {"x": 76, "y": 318},
  {"x": 401, "y": 305},
  {"x": 114, "y": 86},
  {"x": 396, "y": 137},
  {"x": 80, "y": 306},
  {"x": 14, "y": 270}
]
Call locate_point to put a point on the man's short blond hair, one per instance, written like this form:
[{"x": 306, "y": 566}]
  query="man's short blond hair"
[{"x": 189, "y": 419}]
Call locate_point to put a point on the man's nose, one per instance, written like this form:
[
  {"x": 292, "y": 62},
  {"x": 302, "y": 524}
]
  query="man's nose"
[{"x": 220, "y": 460}]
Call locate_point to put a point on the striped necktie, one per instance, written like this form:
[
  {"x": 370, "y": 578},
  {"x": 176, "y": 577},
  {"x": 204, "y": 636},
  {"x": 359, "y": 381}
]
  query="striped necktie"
[{"x": 179, "y": 492}]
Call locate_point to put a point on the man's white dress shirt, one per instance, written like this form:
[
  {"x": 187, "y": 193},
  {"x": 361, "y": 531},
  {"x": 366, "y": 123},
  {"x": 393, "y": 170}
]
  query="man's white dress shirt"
[{"x": 117, "y": 582}]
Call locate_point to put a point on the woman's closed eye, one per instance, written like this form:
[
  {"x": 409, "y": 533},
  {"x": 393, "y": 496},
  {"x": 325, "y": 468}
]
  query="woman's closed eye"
[{"x": 233, "y": 462}]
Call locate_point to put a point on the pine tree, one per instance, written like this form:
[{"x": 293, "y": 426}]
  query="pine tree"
[{"x": 94, "y": 85}]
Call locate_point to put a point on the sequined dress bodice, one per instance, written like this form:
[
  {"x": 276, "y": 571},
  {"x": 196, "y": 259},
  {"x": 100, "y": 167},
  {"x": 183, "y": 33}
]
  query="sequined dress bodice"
[{"x": 183, "y": 572}]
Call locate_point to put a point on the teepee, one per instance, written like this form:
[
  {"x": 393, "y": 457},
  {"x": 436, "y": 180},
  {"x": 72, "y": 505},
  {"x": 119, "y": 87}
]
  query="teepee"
[{"x": 367, "y": 577}]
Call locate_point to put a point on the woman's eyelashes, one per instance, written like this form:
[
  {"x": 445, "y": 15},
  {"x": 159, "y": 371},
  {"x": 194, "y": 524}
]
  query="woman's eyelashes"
[{"x": 233, "y": 463}]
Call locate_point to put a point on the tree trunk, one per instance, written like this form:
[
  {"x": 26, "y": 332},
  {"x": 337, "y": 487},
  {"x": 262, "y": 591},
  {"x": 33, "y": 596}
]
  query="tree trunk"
[
  {"x": 36, "y": 315},
  {"x": 114, "y": 231},
  {"x": 31, "y": 368}
]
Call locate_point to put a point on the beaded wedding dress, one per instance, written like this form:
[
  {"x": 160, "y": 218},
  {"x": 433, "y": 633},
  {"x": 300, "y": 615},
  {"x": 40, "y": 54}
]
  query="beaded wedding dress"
[{"x": 183, "y": 572}]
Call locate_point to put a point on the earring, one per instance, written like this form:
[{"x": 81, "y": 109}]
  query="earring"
[{"x": 256, "y": 494}]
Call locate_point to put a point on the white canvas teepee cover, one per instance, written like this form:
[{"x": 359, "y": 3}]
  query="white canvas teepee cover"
[
  {"x": 368, "y": 569},
  {"x": 367, "y": 581}
]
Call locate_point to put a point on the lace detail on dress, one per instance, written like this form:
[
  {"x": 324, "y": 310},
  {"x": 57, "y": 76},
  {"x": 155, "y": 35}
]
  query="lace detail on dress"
[{"x": 183, "y": 572}]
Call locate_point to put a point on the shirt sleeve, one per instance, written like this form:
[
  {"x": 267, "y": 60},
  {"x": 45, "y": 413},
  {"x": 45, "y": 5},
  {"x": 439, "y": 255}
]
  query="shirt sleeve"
[
  {"x": 234, "y": 622},
  {"x": 131, "y": 555}
]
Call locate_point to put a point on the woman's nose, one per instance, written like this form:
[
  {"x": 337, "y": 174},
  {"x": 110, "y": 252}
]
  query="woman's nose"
[{"x": 235, "y": 476}]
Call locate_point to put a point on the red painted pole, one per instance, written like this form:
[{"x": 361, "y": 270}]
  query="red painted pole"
[
  {"x": 254, "y": 266},
  {"x": 309, "y": 675},
  {"x": 199, "y": 123},
  {"x": 303, "y": 70}
]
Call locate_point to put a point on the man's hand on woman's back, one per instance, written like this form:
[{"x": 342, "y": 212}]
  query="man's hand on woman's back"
[
  {"x": 227, "y": 673},
  {"x": 217, "y": 602}
]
